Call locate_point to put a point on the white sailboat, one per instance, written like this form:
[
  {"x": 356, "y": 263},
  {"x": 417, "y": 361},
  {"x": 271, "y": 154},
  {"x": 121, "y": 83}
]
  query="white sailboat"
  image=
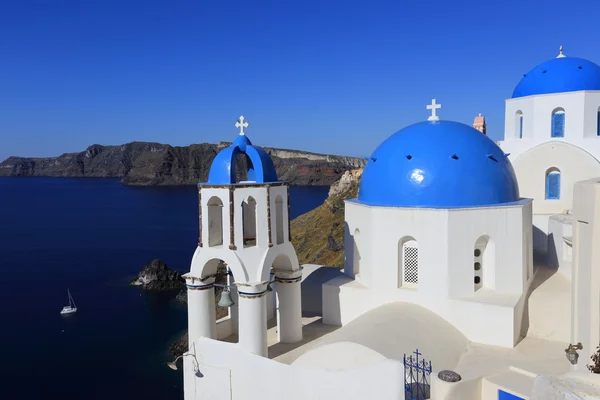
[{"x": 71, "y": 308}]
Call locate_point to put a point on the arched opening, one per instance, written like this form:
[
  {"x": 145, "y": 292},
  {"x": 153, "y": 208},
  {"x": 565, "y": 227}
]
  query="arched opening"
[
  {"x": 244, "y": 170},
  {"x": 558, "y": 122},
  {"x": 598, "y": 122},
  {"x": 279, "y": 219},
  {"x": 408, "y": 262},
  {"x": 219, "y": 268},
  {"x": 553, "y": 184},
  {"x": 478, "y": 263},
  {"x": 249, "y": 222},
  {"x": 355, "y": 253},
  {"x": 215, "y": 222},
  {"x": 519, "y": 124}
]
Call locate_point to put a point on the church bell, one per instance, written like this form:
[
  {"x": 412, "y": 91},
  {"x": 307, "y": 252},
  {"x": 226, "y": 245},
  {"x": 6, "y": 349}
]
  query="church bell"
[{"x": 225, "y": 300}]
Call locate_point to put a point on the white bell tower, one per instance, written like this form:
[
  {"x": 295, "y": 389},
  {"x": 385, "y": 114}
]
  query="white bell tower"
[{"x": 245, "y": 224}]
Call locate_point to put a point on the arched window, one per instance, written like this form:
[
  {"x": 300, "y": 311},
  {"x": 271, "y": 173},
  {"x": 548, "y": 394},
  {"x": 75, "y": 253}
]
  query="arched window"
[
  {"x": 553, "y": 184},
  {"x": 356, "y": 253},
  {"x": 249, "y": 222},
  {"x": 558, "y": 123},
  {"x": 483, "y": 262},
  {"x": 519, "y": 123},
  {"x": 279, "y": 219},
  {"x": 408, "y": 260},
  {"x": 215, "y": 221}
]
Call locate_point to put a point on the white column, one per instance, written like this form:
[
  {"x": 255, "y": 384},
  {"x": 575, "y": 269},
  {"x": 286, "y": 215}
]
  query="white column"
[
  {"x": 289, "y": 306},
  {"x": 252, "y": 308},
  {"x": 201, "y": 308}
]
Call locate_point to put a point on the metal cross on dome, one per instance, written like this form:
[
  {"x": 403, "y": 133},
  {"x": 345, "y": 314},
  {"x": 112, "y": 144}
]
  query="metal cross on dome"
[
  {"x": 241, "y": 124},
  {"x": 433, "y": 107}
]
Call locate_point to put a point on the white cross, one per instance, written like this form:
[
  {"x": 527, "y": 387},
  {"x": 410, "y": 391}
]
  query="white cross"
[
  {"x": 433, "y": 107},
  {"x": 241, "y": 124}
]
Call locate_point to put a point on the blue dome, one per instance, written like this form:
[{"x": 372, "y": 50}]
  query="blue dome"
[
  {"x": 439, "y": 164},
  {"x": 260, "y": 165},
  {"x": 564, "y": 74}
]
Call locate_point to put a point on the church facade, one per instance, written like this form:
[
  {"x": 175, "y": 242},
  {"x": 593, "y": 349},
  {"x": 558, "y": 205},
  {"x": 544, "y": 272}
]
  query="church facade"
[
  {"x": 450, "y": 249},
  {"x": 552, "y": 132}
]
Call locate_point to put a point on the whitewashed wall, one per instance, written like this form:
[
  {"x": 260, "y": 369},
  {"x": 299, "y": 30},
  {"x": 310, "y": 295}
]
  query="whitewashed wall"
[
  {"x": 446, "y": 240},
  {"x": 560, "y": 254},
  {"x": 576, "y": 155},
  {"x": 581, "y": 113},
  {"x": 227, "y": 372},
  {"x": 586, "y": 268},
  {"x": 574, "y": 163}
]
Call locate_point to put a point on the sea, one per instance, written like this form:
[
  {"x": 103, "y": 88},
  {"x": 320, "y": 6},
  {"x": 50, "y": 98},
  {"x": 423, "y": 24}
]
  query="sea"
[{"x": 92, "y": 236}]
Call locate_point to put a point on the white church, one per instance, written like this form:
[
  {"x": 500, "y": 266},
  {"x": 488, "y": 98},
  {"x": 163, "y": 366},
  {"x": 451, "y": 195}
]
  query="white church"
[{"x": 472, "y": 270}]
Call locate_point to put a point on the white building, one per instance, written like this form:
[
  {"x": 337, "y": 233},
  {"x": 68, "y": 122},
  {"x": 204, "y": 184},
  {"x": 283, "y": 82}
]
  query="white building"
[
  {"x": 552, "y": 132},
  {"x": 439, "y": 257}
]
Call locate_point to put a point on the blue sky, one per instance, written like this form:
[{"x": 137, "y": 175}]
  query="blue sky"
[{"x": 326, "y": 76}]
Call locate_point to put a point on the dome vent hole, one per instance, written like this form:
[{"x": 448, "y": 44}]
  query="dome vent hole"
[
  {"x": 454, "y": 157},
  {"x": 408, "y": 156},
  {"x": 491, "y": 157}
]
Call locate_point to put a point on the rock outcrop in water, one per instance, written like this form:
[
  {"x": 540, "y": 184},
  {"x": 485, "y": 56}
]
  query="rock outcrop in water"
[
  {"x": 145, "y": 164},
  {"x": 157, "y": 276}
]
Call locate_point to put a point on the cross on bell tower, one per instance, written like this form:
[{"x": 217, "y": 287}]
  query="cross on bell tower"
[
  {"x": 433, "y": 107},
  {"x": 241, "y": 123}
]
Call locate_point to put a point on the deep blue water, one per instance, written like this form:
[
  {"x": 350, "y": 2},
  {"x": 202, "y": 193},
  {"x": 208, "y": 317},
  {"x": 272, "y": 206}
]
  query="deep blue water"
[{"x": 93, "y": 235}]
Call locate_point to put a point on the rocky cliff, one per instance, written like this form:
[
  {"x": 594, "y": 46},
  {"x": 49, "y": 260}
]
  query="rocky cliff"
[
  {"x": 141, "y": 163},
  {"x": 318, "y": 235}
]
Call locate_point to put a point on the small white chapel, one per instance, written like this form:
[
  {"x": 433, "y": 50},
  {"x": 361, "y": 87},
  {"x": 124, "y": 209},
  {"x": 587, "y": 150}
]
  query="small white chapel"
[{"x": 472, "y": 269}]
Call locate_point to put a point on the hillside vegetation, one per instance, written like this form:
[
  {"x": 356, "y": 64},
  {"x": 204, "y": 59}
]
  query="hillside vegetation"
[{"x": 318, "y": 235}]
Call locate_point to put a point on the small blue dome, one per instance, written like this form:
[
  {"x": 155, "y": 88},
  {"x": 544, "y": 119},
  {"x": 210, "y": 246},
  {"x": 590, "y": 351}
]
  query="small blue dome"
[
  {"x": 563, "y": 74},
  {"x": 260, "y": 165},
  {"x": 438, "y": 164}
]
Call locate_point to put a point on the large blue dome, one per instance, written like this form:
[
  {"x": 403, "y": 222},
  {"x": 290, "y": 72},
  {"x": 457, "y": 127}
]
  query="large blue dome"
[
  {"x": 562, "y": 74},
  {"x": 438, "y": 164}
]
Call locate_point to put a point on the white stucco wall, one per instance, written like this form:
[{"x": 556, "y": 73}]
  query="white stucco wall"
[
  {"x": 227, "y": 372},
  {"x": 446, "y": 241},
  {"x": 570, "y": 386},
  {"x": 586, "y": 268},
  {"x": 576, "y": 155},
  {"x": 560, "y": 235},
  {"x": 574, "y": 163},
  {"x": 581, "y": 120}
]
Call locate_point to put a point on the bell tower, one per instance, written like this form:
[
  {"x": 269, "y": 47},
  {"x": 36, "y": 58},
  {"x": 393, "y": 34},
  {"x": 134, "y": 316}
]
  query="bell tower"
[
  {"x": 479, "y": 123},
  {"x": 244, "y": 224}
]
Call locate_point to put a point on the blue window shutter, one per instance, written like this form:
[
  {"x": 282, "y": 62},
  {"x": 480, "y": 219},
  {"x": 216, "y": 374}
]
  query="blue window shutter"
[
  {"x": 553, "y": 186},
  {"x": 558, "y": 125},
  {"x": 521, "y": 126},
  {"x": 598, "y": 125}
]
